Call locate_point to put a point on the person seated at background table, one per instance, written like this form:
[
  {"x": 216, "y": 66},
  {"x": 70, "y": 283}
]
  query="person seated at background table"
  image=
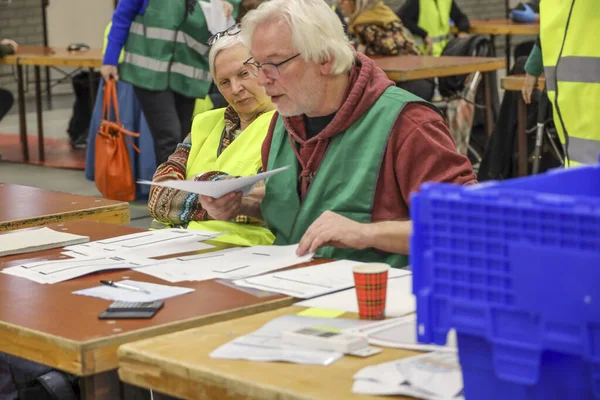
[
  {"x": 357, "y": 145},
  {"x": 430, "y": 20},
  {"x": 525, "y": 13},
  {"x": 379, "y": 32},
  {"x": 222, "y": 142},
  {"x": 7, "y": 47}
]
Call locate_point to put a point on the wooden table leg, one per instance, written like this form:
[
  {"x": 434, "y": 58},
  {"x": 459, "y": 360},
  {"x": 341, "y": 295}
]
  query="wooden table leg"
[
  {"x": 103, "y": 386},
  {"x": 22, "y": 113},
  {"x": 507, "y": 51},
  {"x": 489, "y": 119},
  {"x": 48, "y": 89},
  {"x": 39, "y": 111},
  {"x": 522, "y": 135}
]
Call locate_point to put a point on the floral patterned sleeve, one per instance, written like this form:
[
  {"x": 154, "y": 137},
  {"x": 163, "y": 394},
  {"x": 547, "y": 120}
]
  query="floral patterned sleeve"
[
  {"x": 390, "y": 40},
  {"x": 170, "y": 206}
]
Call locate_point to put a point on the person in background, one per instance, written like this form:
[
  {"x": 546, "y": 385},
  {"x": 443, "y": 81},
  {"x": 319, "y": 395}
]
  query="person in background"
[
  {"x": 430, "y": 20},
  {"x": 222, "y": 142},
  {"x": 379, "y": 32},
  {"x": 7, "y": 47},
  {"x": 165, "y": 48},
  {"x": 525, "y": 13},
  {"x": 570, "y": 62},
  {"x": 357, "y": 146}
]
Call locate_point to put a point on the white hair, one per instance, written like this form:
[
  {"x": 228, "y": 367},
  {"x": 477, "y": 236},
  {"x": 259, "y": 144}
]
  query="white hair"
[
  {"x": 222, "y": 43},
  {"x": 317, "y": 32}
]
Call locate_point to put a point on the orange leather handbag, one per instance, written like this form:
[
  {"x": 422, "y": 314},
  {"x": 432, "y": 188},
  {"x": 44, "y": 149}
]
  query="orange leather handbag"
[{"x": 113, "y": 174}]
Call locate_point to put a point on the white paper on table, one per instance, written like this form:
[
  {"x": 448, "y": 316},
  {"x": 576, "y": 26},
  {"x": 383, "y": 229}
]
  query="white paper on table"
[
  {"x": 433, "y": 376},
  {"x": 157, "y": 292},
  {"x": 242, "y": 263},
  {"x": 265, "y": 344},
  {"x": 27, "y": 241},
  {"x": 147, "y": 244},
  {"x": 50, "y": 272},
  {"x": 364, "y": 386},
  {"x": 400, "y": 333},
  {"x": 311, "y": 281},
  {"x": 214, "y": 15},
  {"x": 399, "y": 300},
  {"x": 217, "y": 189}
]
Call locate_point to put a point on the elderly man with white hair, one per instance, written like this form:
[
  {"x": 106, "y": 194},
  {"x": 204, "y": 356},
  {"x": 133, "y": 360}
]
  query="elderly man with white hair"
[{"x": 357, "y": 146}]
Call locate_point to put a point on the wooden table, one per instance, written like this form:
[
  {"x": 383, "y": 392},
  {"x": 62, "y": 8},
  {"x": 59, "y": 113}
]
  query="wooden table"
[
  {"x": 505, "y": 27},
  {"x": 179, "y": 364},
  {"x": 515, "y": 83},
  {"x": 24, "y": 206},
  {"x": 39, "y": 56},
  {"x": 407, "y": 68},
  {"x": 50, "y": 325}
]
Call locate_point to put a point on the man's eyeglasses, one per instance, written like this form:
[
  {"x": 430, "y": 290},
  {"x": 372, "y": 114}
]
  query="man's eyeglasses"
[
  {"x": 271, "y": 70},
  {"x": 232, "y": 30}
]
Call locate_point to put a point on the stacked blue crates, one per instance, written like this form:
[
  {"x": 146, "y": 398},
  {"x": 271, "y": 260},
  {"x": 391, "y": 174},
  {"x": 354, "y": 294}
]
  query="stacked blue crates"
[{"x": 514, "y": 268}]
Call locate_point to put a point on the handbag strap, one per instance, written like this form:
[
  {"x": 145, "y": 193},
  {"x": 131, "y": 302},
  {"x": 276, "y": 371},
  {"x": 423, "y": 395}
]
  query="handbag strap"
[{"x": 110, "y": 100}]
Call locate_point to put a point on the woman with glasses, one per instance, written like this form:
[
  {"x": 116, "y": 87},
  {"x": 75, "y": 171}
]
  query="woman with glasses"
[
  {"x": 223, "y": 142},
  {"x": 165, "y": 59}
]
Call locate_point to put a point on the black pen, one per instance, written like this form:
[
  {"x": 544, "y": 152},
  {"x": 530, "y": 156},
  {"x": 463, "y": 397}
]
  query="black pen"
[{"x": 123, "y": 286}]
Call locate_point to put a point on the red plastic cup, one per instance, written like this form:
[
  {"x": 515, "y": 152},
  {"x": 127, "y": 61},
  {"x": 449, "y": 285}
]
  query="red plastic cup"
[{"x": 371, "y": 289}]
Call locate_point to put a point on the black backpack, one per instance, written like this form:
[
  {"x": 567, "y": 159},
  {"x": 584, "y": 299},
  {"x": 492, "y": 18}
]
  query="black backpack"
[{"x": 476, "y": 45}]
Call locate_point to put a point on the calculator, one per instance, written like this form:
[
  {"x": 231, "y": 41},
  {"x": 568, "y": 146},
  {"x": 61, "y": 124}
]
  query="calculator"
[{"x": 131, "y": 310}]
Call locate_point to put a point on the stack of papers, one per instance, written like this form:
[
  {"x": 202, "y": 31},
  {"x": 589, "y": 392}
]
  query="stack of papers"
[
  {"x": 400, "y": 333},
  {"x": 227, "y": 264},
  {"x": 156, "y": 292},
  {"x": 431, "y": 376},
  {"x": 145, "y": 244},
  {"x": 27, "y": 241},
  {"x": 399, "y": 301},
  {"x": 266, "y": 344},
  {"x": 217, "y": 189},
  {"x": 49, "y": 272},
  {"x": 312, "y": 281}
]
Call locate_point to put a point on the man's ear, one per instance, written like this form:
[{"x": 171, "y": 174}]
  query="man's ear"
[{"x": 325, "y": 67}]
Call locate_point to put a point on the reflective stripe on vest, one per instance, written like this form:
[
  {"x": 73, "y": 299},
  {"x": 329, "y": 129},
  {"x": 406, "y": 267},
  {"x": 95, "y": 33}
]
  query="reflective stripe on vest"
[
  {"x": 169, "y": 35},
  {"x": 584, "y": 151},
  {"x": 437, "y": 39},
  {"x": 573, "y": 69},
  {"x": 163, "y": 66}
]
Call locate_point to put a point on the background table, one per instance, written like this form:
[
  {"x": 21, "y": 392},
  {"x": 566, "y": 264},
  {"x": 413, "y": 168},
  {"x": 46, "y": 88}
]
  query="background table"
[
  {"x": 179, "y": 364},
  {"x": 50, "y": 325},
  {"x": 407, "y": 68},
  {"x": 24, "y": 206},
  {"x": 39, "y": 56},
  {"x": 515, "y": 83}
]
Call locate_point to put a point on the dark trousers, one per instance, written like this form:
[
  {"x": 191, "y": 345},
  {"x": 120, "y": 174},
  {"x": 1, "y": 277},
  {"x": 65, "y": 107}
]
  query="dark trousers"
[
  {"x": 169, "y": 117},
  {"x": 6, "y": 102}
]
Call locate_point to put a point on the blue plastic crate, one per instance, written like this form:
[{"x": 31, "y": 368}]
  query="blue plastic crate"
[{"x": 514, "y": 267}]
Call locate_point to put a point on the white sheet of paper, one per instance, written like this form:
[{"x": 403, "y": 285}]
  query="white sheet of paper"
[
  {"x": 227, "y": 264},
  {"x": 157, "y": 292},
  {"x": 433, "y": 376},
  {"x": 27, "y": 241},
  {"x": 217, "y": 189},
  {"x": 50, "y": 272},
  {"x": 265, "y": 344},
  {"x": 215, "y": 16},
  {"x": 400, "y": 300},
  {"x": 147, "y": 244},
  {"x": 311, "y": 281},
  {"x": 400, "y": 333}
]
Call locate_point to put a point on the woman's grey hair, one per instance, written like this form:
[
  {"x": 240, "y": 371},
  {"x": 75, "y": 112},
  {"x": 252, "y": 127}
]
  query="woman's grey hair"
[
  {"x": 222, "y": 43},
  {"x": 317, "y": 32}
]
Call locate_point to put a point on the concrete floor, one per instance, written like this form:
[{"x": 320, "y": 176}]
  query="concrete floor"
[{"x": 62, "y": 180}]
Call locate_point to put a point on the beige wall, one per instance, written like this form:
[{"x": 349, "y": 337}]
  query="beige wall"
[{"x": 85, "y": 24}]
